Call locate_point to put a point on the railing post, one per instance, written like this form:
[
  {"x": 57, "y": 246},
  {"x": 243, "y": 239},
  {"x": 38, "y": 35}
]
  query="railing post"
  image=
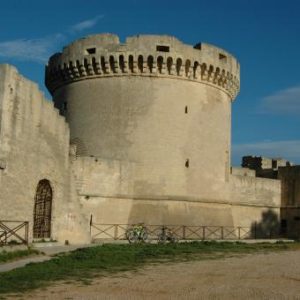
[
  {"x": 183, "y": 232},
  {"x": 203, "y": 233},
  {"x": 91, "y": 224},
  {"x": 222, "y": 233},
  {"x": 26, "y": 232},
  {"x": 254, "y": 230},
  {"x": 116, "y": 232},
  {"x": 239, "y": 232}
]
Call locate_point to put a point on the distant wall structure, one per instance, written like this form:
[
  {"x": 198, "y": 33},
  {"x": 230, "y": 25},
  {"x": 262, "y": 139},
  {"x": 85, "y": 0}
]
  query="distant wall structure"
[
  {"x": 289, "y": 177},
  {"x": 264, "y": 166},
  {"x": 140, "y": 132},
  {"x": 290, "y": 204}
]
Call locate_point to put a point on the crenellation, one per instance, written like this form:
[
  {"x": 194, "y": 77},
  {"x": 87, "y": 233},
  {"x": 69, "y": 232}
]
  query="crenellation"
[{"x": 134, "y": 58}]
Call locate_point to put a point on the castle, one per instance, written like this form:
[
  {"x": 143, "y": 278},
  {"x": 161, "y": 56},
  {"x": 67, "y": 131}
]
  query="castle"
[{"x": 137, "y": 132}]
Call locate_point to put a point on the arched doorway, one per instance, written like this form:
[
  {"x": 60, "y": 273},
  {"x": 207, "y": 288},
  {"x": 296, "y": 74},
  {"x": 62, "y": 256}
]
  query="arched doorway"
[{"x": 42, "y": 210}]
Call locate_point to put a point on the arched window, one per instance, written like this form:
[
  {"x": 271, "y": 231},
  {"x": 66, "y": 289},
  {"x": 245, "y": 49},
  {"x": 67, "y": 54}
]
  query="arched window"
[
  {"x": 160, "y": 62},
  {"x": 223, "y": 78},
  {"x": 94, "y": 64},
  {"x": 71, "y": 67},
  {"x": 140, "y": 63},
  {"x": 121, "y": 63},
  {"x": 169, "y": 64},
  {"x": 203, "y": 70},
  {"x": 78, "y": 67},
  {"x": 103, "y": 67},
  {"x": 85, "y": 62},
  {"x": 130, "y": 63},
  {"x": 195, "y": 69},
  {"x": 42, "y": 210},
  {"x": 112, "y": 64},
  {"x": 210, "y": 72},
  {"x": 178, "y": 66},
  {"x": 217, "y": 76},
  {"x": 150, "y": 63},
  {"x": 187, "y": 67}
]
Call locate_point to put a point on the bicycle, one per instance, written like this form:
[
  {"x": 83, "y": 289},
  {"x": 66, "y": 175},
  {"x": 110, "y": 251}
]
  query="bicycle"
[
  {"x": 166, "y": 235},
  {"x": 137, "y": 234}
]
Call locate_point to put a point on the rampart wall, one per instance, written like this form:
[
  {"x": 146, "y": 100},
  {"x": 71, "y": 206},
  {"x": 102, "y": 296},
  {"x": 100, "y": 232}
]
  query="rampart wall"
[
  {"x": 34, "y": 141},
  {"x": 103, "y": 193}
]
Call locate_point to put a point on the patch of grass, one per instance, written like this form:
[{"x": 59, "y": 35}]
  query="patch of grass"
[
  {"x": 6, "y": 256},
  {"x": 84, "y": 264}
]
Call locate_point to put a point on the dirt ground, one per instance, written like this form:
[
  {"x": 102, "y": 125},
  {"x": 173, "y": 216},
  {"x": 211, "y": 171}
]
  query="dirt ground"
[{"x": 255, "y": 276}]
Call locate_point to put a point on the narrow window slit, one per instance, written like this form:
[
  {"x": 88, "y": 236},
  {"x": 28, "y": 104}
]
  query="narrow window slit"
[{"x": 187, "y": 163}]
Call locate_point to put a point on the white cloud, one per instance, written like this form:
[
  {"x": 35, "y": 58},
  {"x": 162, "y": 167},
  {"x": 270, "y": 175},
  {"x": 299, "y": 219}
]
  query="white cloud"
[
  {"x": 285, "y": 149},
  {"x": 86, "y": 24},
  {"x": 37, "y": 50},
  {"x": 282, "y": 102}
]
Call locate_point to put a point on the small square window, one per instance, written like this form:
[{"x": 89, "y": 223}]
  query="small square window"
[
  {"x": 90, "y": 51},
  {"x": 222, "y": 57},
  {"x": 198, "y": 46},
  {"x": 162, "y": 48}
]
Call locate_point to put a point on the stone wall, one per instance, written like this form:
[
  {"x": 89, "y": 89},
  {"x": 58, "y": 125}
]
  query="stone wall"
[
  {"x": 290, "y": 206},
  {"x": 173, "y": 152},
  {"x": 34, "y": 145},
  {"x": 255, "y": 191},
  {"x": 102, "y": 192},
  {"x": 153, "y": 103},
  {"x": 242, "y": 172},
  {"x": 150, "y": 131}
]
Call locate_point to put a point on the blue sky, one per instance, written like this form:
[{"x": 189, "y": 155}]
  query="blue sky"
[{"x": 264, "y": 35}]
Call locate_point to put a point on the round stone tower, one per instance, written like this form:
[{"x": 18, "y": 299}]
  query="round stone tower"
[{"x": 158, "y": 108}]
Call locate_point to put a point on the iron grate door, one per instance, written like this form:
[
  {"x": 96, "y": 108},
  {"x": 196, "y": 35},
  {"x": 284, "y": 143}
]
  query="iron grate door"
[{"x": 42, "y": 210}]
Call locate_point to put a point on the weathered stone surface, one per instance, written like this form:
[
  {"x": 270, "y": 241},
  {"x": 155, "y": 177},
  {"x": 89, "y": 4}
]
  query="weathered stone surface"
[
  {"x": 150, "y": 124},
  {"x": 34, "y": 146}
]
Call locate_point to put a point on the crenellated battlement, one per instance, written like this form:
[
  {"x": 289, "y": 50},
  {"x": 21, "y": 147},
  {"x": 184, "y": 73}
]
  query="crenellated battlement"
[{"x": 147, "y": 55}]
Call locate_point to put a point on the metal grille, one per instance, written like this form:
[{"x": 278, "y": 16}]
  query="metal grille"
[{"x": 42, "y": 210}]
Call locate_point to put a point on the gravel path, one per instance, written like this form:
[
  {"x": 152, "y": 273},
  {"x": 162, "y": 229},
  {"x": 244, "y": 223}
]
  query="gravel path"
[
  {"x": 22, "y": 262},
  {"x": 256, "y": 276}
]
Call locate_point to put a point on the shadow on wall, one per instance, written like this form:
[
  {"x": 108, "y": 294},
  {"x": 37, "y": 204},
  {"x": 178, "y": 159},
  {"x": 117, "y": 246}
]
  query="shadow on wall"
[{"x": 268, "y": 227}]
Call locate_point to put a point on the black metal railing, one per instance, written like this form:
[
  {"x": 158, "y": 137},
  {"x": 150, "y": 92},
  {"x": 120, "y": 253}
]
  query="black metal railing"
[{"x": 182, "y": 232}]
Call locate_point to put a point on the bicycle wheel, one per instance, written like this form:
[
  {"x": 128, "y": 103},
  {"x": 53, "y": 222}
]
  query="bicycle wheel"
[
  {"x": 144, "y": 236},
  {"x": 161, "y": 238},
  {"x": 174, "y": 239},
  {"x": 131, "y": 236}
]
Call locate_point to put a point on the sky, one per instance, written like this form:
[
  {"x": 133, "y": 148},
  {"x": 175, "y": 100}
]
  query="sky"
[{"x": 264, "y": 35}]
